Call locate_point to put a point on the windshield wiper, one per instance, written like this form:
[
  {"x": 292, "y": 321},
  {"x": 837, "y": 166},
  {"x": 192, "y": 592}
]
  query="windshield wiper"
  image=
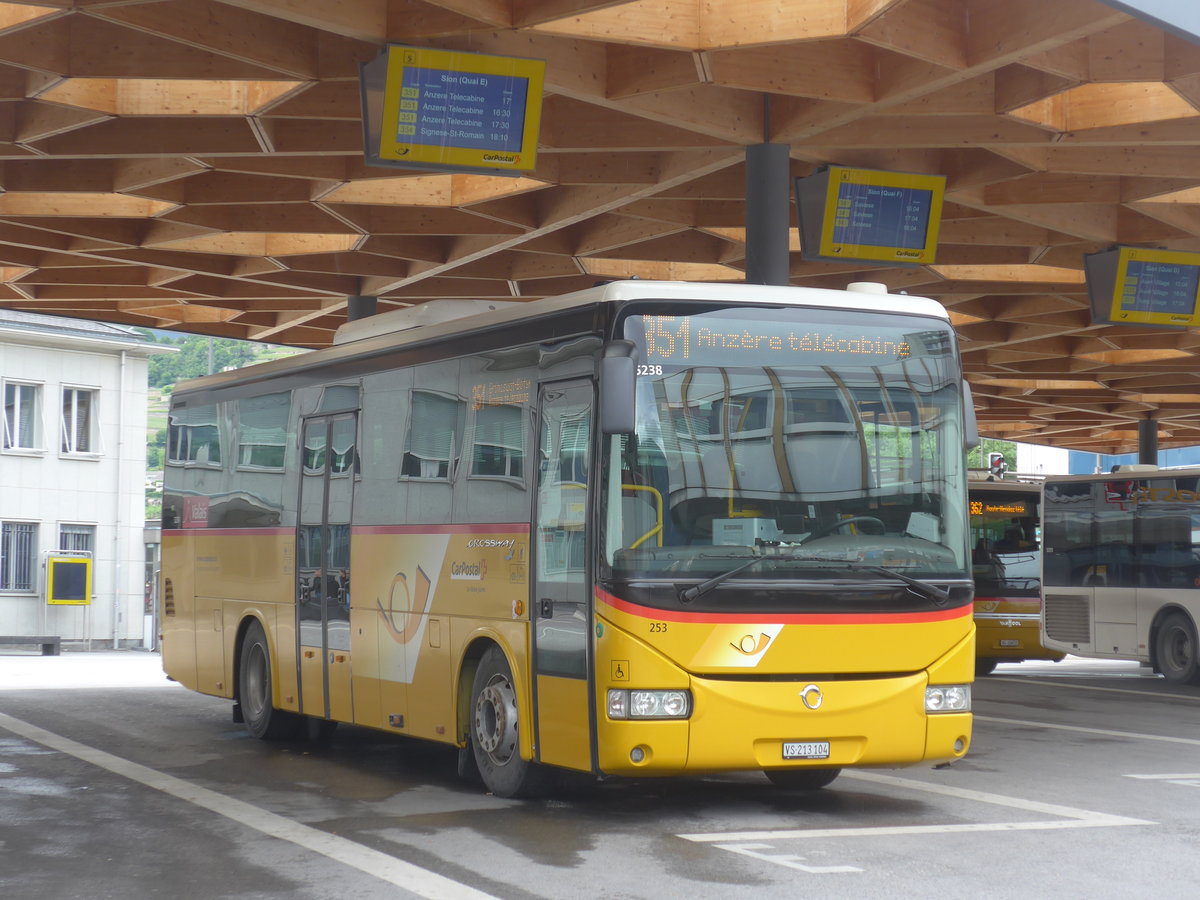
[
  {"x": 930, "y": 592},
  {"x": 696, "y": 590}
]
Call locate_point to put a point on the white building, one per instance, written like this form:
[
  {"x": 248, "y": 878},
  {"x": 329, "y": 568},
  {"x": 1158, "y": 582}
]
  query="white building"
[
  {"x": 1034, "y": 459},
  {"x": 72, "y": 467}
]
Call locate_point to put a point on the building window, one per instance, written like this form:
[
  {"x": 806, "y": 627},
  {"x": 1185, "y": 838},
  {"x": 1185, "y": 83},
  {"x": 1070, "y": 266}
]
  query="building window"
[
  {"x": 78, "y": 420},
  {"x": 194, "y": 436},
  {"x": 434, "y": 436},
  {"x": 499, "y": 446},
  {"x": 77, "y": 538},
  {"x": 18, "y": 556},
  {"x": 262, "y": 430},
  {"x": 22, "y": 413}
]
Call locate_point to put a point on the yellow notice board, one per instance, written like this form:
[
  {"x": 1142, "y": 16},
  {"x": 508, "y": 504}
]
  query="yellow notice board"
[
  {"x": 68, "y": 580},
  {"x": 444, "y": 110},
  {"x": 872, "y": 215},
  {"x": 1138, "y": 286}
]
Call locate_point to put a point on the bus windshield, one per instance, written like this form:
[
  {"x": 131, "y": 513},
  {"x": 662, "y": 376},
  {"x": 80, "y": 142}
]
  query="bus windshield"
[
  {"x": 1006, "y": 549},
  {"x": 825, "y": 440}
]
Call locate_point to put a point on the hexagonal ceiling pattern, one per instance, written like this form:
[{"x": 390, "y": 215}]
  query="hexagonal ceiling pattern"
[{"x": 197, "y": 165}]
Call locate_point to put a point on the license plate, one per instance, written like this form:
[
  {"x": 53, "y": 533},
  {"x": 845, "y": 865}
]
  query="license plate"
[
  {"x": 1010, "y": 643},
  {"x": 806, "y": 749}
]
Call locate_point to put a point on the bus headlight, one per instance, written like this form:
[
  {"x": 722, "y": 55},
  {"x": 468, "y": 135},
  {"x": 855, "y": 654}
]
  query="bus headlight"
[
  {"x": 947, "y": 698},
  {"x": 626, "y": 704}
]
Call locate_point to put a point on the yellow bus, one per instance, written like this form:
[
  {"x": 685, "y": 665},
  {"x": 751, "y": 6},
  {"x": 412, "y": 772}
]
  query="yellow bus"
[
  {"x": 649, "y": 528},
  {"x": 1006, "y": 560}
]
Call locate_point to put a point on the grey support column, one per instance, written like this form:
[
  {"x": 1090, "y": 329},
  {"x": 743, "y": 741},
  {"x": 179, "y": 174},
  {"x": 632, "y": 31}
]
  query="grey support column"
[
  {"x": 360, "y": 307},
  {"x": 768, "y": 187},
  {"x": 1148, "y": 442}
]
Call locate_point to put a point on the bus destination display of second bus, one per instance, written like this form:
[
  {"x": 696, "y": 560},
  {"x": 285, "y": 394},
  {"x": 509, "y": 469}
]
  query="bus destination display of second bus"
[{"x": 683, "y": 340}]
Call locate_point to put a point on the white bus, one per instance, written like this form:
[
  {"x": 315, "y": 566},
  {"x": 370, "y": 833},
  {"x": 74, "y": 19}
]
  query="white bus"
[{"x": 1121, "y": 567}]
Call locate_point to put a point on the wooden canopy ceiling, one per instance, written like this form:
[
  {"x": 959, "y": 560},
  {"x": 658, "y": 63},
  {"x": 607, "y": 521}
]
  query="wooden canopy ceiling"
[{"x": 197, "y": 165}]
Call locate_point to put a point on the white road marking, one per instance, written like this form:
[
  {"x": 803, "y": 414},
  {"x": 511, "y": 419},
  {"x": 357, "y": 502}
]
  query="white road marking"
[
  {"x": 1189, "y": 780},
  {"x": 1069, "y": 817},
  {"x": 414, "y": 879},
  {"x": 784, "y": 859},
  {"x": 1065, "y": 683},
  {"x": 1134, "y": 735}
]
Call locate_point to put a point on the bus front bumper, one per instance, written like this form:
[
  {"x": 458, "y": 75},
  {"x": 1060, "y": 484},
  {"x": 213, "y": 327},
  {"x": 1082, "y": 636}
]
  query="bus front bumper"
[{"x": 743, "y": 725}]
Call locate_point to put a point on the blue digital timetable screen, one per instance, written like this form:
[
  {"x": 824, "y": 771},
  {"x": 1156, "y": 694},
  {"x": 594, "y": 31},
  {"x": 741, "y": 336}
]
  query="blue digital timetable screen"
[
  {"x": 471, "y": 110},
  {"x": 882, "y": 216},
  {"x": 1158, "y": 287}
]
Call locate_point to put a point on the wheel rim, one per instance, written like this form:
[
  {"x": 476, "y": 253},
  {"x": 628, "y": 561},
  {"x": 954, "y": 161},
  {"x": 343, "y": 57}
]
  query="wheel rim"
[
  {"x": 254, "y": 680},
  {"x": 496, "y": 720},
  {"x": 1178, "y": 645}
]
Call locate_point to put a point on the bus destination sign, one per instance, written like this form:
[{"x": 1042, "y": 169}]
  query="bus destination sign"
[
  {"x": 686, "y": 341},
  {"x": 449, "y": 111}
]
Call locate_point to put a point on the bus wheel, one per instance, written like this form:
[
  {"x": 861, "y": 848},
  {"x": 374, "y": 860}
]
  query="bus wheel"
[
  {"x": 985, "y": 666},
  {"x": 262, "y": 720},
  {"x": 801, "y": 779},
  {"x": 494, "y": 736},
  {"x": 1175, "y": 649}
]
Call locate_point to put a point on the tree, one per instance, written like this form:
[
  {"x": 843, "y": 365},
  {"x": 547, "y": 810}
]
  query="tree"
[
  {"x": 978, "y": 457},
  {"x": 192, "y": 360}
]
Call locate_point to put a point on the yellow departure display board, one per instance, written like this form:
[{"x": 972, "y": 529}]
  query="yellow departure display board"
[
  {"x": 871, "y": 215},
  {"x": 68, "y": 580},
  {"x": 1138, "y": 286},
  {"x": 444, "y": 110}
]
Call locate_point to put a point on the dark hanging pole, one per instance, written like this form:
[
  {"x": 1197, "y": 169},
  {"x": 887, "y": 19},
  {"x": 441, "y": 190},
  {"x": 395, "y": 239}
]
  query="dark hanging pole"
[
  {"x": 1148, "y": 442},
  {"x": 768, "y": 188},
  {"x": 360, "y": 307}
]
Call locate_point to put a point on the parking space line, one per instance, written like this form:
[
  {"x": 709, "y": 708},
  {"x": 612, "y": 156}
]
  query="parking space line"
[
  {"x": 1134, "y": 735},
  {"x": 791, "y": 860},
  {"x": 408, "y": 876},
  {"x": 1068, "y": 816}
]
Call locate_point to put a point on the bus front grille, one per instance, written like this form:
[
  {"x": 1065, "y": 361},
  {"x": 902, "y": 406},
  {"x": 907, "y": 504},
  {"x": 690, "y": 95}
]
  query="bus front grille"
[{"x": 1068, "y": 619}]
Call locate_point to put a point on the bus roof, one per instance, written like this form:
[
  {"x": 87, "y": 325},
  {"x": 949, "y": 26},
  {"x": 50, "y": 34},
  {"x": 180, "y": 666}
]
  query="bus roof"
[
  {"x": 1132, "y": 473},
  {"x": 411, "y": 327}
]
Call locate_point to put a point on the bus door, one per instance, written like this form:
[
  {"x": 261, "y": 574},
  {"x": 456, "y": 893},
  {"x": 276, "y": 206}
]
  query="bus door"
[
  {"x": 561, "y": 599},
  {"x": 323, "y": 565}
]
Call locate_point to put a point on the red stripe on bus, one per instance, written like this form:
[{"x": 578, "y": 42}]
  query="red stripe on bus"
[
  {"x": 500, "y": 527},
  {"x": 232, "y": 532},
  {"x": 711, "y": 618},
  {"x": 503, "y": 528}
]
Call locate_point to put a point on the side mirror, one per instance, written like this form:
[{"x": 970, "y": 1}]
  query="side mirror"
[
  {"x": 618, "y": 379},
  {"x": 970, "y": 423}
]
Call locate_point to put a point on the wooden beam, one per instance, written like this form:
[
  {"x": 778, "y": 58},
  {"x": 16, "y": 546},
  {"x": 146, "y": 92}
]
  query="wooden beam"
[{"x": 364, "y": 20}]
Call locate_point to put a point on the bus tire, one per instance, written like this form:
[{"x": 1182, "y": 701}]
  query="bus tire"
[
  {"x": 1175, "y": 649},
  {"x": 985, "y": 665},
  {"x": 494, "y": 733},
  {"x": 802, "y": 779},
  {"x": 255, "y": 692}
]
